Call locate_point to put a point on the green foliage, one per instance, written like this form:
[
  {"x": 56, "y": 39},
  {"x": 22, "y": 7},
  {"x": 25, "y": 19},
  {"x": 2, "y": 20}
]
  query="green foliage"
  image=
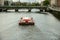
[
  {"x": 35, "y": 4},
  {"x": 25, "y": 4},
  {"x": 46, "y": 2}
]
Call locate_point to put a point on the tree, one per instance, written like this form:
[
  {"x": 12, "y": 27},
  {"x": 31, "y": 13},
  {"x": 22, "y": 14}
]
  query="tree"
[{"x": 46, "y": 2}]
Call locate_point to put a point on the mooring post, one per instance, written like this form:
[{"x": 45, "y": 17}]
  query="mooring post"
[
  {"x": 29, "y": 10},
  {"x": 41, "y": 10},
  {"x": 0, "y": 10},
  {"x": 16, "y": 10}
]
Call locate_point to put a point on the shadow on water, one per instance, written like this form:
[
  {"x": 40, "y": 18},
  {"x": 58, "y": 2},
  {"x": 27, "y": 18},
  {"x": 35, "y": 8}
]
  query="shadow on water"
[
  {"x": 27, "y": 12},
  {"x": 0, "y": 37},
  {"x": 31, "y": 28},
  {"x": 57, "y": 15},
  {"x": 44, "y": 13},
  {"x": 26, "y": 26},
  {"x": 57, "y": 36}
]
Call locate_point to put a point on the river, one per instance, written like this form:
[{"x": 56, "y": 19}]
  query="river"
[{"x": 46, "y": 27}]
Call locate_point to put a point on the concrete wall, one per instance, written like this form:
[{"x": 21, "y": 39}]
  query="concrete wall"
[
  {"x": 58, "y": 3},
  {"x": 52, "y": 2},
  {"x": 55, "y": 3},
  {"x": 1, "y": 2}
]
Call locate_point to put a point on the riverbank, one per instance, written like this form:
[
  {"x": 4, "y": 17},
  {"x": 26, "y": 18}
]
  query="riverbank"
[{"x": 55, "y": 11}]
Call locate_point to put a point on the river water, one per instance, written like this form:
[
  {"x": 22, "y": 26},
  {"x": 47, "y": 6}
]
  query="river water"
[{"x": 46, "y": 27}]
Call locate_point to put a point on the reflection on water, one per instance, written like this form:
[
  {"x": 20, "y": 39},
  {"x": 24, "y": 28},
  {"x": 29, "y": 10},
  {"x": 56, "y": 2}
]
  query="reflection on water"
[
  {"x": 57, "y": 16},
  {"x": 46, "y": 27},
  {"x": 24, "y": 10}
]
